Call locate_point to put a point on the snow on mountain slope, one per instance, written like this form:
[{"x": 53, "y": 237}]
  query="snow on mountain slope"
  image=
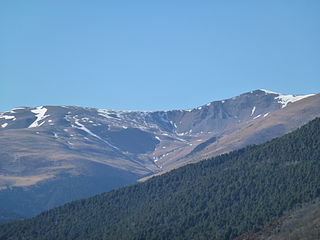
[
  {"x": 40, "y": 115},
  {"x": 286, "y": 99}
]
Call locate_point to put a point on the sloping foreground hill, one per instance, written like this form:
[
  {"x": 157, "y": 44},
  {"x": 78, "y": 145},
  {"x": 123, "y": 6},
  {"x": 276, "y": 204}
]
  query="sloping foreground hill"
[
  {"x": 220, "y": 198},
  {"x": 303, "y": 223}
]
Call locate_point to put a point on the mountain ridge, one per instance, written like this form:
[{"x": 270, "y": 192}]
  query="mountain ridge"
[{"x": 282, "y": 97}]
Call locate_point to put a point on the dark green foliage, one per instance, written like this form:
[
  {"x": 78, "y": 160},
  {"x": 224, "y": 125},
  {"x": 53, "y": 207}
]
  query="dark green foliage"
[{"x": 220, "y": 198}]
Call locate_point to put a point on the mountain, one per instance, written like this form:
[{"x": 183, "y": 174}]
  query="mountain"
[
  {"x": 54, "y": 154},
  {"x": 220, "y": 198}
]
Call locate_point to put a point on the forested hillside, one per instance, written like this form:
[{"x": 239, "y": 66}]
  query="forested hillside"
[
  {"x": 220, "y": 198},
  {"x": 300, "y": 224}
]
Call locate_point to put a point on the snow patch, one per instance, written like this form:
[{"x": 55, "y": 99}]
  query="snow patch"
[
  {"x": 109, "y": 114},
  {"x": 180, "y": 139},
  {"x": 156, "y": 137},
  {"x": 284, "y": 100},
  {"x": 14, "y": 109},
  {"x": 253, "y": 110},
  {"x": 173, "y": 124},
  {"x": 269, "y": 92},
  {"x": 6, "y": 117},
  {"x": 40, "y": 115},
  {"x": 266, "y": 115},
  {"x": 4, "y": 125},
  {"x": 83, "y": 128},
  {"x": 257, "y": 116},
  {"x": 182, "y": 134},
  {"x": 41, "y": 124}
]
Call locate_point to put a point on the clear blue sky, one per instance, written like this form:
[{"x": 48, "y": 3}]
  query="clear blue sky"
[{"x": 155, "y": 55}]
